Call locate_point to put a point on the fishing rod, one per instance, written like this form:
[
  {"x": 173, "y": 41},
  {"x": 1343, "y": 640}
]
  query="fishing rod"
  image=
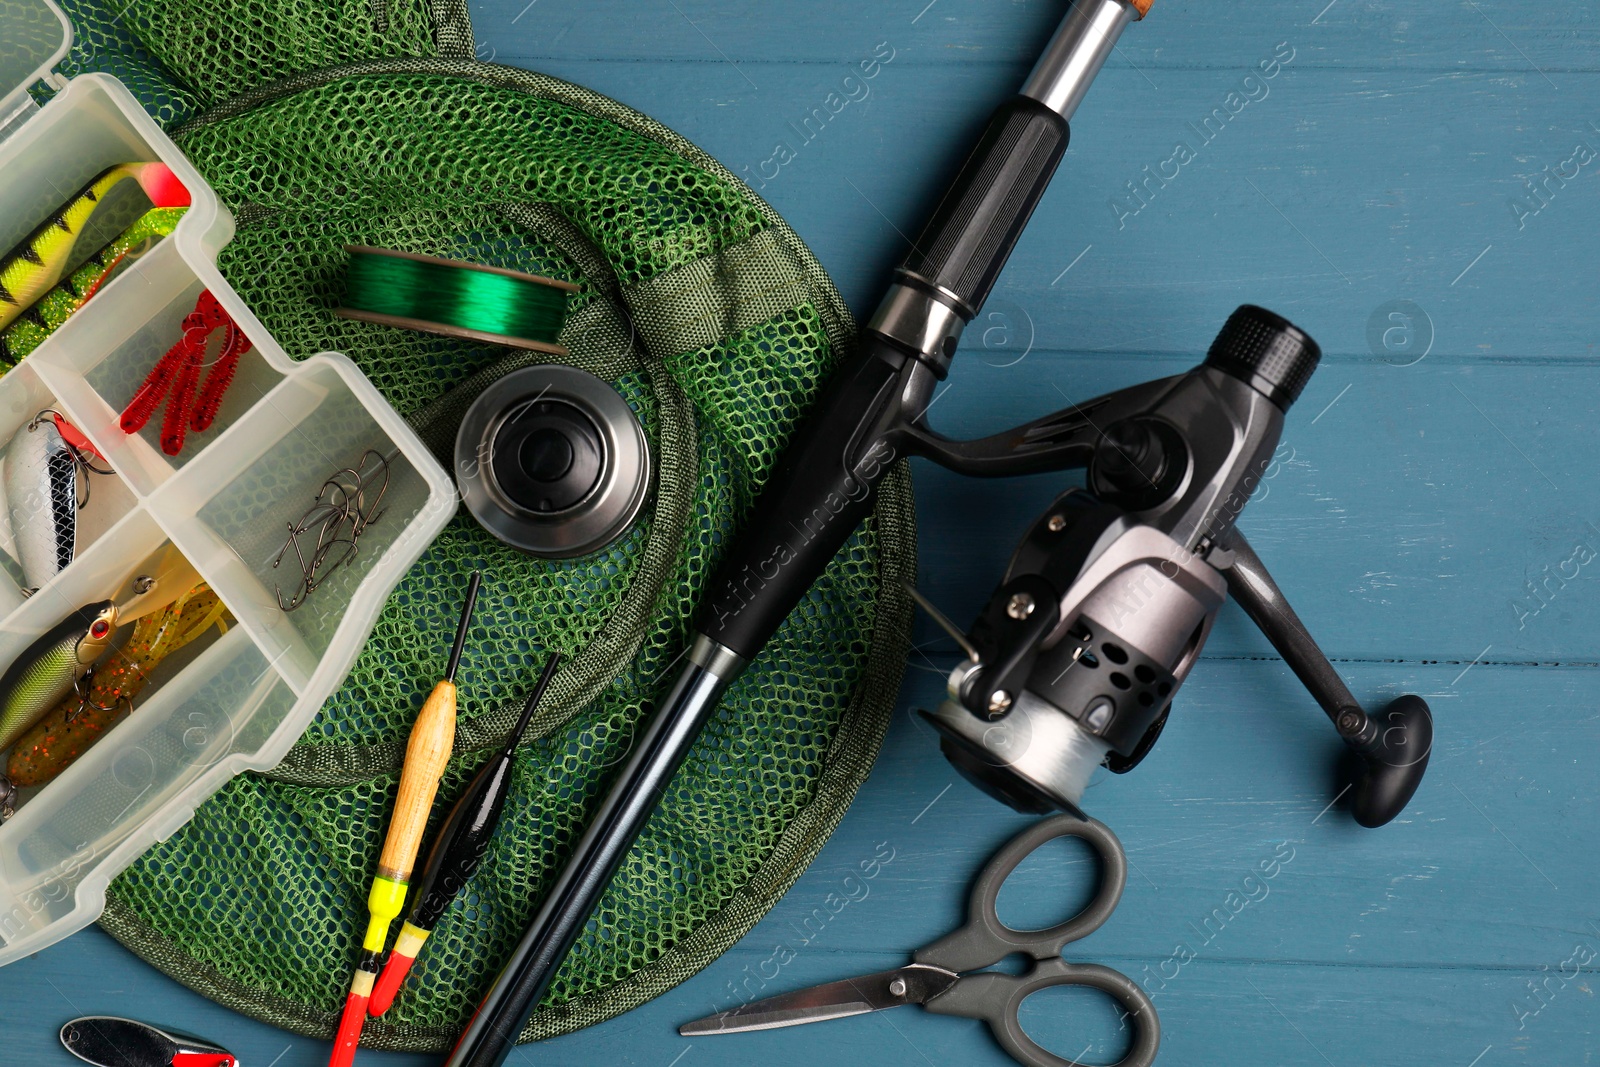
[{"x": 824, "y": 483}]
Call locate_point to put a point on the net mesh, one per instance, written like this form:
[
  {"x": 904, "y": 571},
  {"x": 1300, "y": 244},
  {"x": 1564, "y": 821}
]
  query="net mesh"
[{"x": 714, "y": 323}]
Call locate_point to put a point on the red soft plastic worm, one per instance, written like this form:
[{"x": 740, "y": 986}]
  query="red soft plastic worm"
[
  {"x": 234, "y": 345},
  {"x": 179, "y": 372}
]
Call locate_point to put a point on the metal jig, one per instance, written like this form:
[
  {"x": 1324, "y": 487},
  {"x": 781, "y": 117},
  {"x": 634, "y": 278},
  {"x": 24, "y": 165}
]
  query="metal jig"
[{"x": 80, "y": 462}]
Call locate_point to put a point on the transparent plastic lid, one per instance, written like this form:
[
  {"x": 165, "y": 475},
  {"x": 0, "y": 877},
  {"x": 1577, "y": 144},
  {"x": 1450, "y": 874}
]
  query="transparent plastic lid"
[{"x": 34, "y": 35}]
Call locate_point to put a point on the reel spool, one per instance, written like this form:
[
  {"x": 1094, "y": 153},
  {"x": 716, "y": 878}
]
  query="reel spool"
[
  {"x": 552, "y": 461},
  {"x": 1106, "y": 661}
]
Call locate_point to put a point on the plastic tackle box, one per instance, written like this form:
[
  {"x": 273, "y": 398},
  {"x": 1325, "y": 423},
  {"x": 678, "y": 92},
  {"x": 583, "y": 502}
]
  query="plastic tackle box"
[{"x": 225, "y": 503}]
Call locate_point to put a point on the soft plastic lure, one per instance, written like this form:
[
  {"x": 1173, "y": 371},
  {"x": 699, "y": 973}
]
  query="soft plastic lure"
[
  {"x": 176, "y": 376},
  {"x": 62, "y": 243},
  {"x": 63, "y": 735},
  {"x": 54, "y": 308},
  {"x": 55, "y": 664}
]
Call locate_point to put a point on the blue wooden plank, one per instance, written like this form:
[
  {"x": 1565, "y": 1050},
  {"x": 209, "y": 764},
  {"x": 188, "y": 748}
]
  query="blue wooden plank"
[
  {"x": 1416, "y": 500},
  {"x": 1336, "y": 194},
  {"x": 1411, "y": 510},
  {"x": 1482, "y": 884},
  {"x": 1503, "y": 35}
]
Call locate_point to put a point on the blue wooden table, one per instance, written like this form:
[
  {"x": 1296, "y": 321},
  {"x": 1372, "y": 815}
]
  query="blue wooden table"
[{"x": 1415, "y": 185}]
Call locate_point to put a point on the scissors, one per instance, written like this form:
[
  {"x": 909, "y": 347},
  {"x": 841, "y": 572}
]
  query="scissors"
[{"x": 940, "y": 977}]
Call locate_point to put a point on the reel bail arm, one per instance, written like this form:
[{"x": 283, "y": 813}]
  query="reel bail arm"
[{"x": 1393, "y": 746}]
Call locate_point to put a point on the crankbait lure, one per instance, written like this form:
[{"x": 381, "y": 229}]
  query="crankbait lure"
[
  {"x": 57, "y": 663},
  {"x": 47, "y": 314},
  {"x": 62, "y": 243},
  {"x": 107, "y": 1041},
  {"x": 57, "y": 740},
  {"x": 46, "y": 477}
]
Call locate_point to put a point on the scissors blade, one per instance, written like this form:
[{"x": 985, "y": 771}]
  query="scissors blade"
[{"x": 835, "y": 1000}]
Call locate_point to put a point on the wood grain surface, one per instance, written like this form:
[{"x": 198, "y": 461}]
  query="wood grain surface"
[
  {"x": 1415, "y": 186},
  {"x": 427, "y": 755}
]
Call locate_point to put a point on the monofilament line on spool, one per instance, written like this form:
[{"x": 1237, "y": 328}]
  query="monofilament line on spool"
[{"x": 455, "y": 299}]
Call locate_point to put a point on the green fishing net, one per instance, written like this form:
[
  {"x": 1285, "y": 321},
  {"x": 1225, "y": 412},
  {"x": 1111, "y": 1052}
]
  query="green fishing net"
[{"x": 322, "y": 124}]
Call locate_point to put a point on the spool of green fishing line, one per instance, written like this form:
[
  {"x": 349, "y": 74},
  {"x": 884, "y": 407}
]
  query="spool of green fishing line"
[{"x": 457, "y": 299}]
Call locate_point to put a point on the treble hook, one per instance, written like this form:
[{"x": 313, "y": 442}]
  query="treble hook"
[{"x": 82, "y": 688}]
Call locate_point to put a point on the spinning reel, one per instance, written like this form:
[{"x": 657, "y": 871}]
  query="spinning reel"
[{"x": 1106, "y": 604}]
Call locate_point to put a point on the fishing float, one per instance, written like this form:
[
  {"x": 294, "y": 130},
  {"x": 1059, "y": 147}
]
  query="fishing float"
[
  {"x": 457, "y": 851},
  {"x": 427, "y": 754}
]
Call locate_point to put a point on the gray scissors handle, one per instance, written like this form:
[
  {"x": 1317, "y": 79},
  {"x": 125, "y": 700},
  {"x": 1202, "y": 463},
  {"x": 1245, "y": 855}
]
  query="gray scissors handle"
[
  {"x": 985, "y": 940},
  {"x": 996, "y": 998}
]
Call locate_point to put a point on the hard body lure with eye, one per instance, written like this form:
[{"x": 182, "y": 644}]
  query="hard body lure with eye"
[
  {"x": 107, "y": 206},
  {"x": 47, "y": 314},
  {"x": 63, "y": 735},
  {"x": 41, "y": 473},
  {"x": 52, "y": 666}
]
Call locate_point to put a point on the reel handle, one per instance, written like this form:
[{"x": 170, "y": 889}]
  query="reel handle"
[{"x": 1393, "y": 746}]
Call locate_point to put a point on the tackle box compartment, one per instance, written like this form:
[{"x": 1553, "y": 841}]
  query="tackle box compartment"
[{"x": 225, "y": 502}]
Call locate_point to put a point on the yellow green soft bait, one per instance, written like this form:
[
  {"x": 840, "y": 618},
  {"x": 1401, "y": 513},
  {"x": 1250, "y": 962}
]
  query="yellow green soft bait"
[
  {"x": 58, "y": 739},
  {"x": 63, "y": 242},
  {"x": 38, "y": 322}
]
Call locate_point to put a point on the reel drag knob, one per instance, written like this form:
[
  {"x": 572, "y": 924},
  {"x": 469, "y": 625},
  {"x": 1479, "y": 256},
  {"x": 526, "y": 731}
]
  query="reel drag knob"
[{"x": 1267, "y": 352}]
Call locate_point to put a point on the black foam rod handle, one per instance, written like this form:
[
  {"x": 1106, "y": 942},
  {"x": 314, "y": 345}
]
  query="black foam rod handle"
[
  {"x": 825, "y": 481},
  {"x": 966, "y": 243},
  {"x": 821, "y": 488}
]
